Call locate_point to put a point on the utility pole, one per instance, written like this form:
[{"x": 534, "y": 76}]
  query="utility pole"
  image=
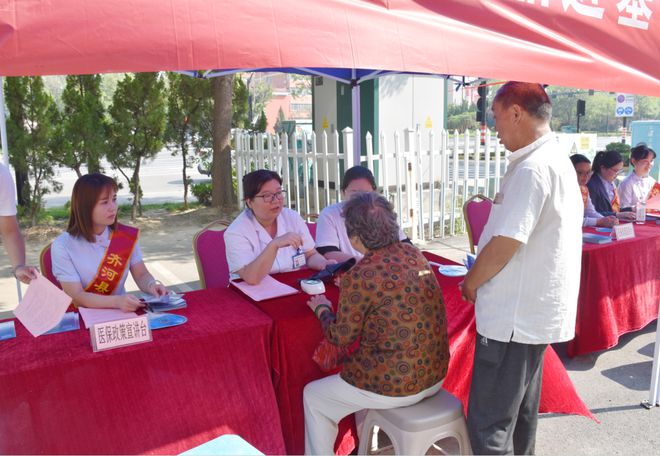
[{"x": 581, "y": 105}]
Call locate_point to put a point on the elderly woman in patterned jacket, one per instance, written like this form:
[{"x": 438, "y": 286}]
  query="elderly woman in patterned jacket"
[{"x": 391, "y": 300}]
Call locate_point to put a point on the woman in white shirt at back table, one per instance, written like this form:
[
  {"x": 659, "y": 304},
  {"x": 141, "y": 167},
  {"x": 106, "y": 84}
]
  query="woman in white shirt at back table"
[
  {"x": 331, "y": 238},
  {"x": 268, "y": 238},
  {"x": 638, "y": 185}
]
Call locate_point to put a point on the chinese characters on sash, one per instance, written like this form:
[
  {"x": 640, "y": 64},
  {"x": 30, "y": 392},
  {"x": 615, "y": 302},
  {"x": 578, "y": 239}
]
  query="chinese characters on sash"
[{"x": 115, "y": 261}]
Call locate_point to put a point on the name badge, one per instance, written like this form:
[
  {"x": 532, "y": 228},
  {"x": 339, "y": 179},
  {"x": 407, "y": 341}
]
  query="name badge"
[
  {"x": 624, "y": 231},
  {"x": 299, "y": 260},
  {"x": 120, "y": 333}
]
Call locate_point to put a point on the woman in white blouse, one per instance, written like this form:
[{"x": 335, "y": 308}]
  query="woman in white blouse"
[
  {"x": 637, "y": 186},
  {"x": 267, "y": 237},
  {"x": 92, "y": 259}
]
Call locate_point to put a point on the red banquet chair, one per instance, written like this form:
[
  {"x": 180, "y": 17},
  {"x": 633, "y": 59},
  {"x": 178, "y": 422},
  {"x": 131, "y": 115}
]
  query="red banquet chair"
[
  {"x": 46, "y": 265},
  {"x": 210, "y": 257},
  {"x": 312, "y": 225},
  {"x": 476, "y": 211}
]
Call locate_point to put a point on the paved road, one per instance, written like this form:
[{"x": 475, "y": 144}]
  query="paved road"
[{"x": 161, "y": 181}]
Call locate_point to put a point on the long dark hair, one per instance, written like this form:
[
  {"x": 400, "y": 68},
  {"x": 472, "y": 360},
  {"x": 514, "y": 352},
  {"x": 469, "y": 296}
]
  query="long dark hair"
[
  {"x": 85, "y": 195},
  {"x": 606, "y": 158}
]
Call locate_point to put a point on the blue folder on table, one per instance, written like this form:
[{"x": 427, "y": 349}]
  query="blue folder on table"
[{"x": 592, "y": 238}]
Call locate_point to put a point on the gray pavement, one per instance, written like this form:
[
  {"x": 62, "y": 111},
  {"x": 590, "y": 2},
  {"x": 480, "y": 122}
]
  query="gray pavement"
[{"x": 611, "y": 383}]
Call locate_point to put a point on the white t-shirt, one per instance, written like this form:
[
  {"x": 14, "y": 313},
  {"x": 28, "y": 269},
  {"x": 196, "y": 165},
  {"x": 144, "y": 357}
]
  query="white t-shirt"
[
  {"x": 331, "y": 231},
  {"x": 245, "y": 239},
  {"x": 7, "y": 193},
  {"x": 77, "y": 260},
  {"x": 634, "y": 189},
  {"x": 533, "y": 299}
]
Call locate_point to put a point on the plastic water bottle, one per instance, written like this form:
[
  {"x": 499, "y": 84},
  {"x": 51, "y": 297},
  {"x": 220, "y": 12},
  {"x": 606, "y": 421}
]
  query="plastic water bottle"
[{"x": 640, "y": 212}]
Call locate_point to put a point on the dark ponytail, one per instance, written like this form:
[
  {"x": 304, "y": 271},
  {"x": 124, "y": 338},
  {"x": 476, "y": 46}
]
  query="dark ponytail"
[{"x": 607, "y": 159}]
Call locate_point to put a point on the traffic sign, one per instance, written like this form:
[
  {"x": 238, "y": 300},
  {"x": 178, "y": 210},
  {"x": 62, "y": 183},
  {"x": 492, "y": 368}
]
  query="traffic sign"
[{"x": 625, "y": 105}]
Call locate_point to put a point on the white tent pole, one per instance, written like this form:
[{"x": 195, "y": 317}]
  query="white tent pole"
[
  {"x": 5, "y": 152},
  {"x": 3, "y": 124},
  {"x": 357, "y": 132},
  {"x": 655, "y": 371}
]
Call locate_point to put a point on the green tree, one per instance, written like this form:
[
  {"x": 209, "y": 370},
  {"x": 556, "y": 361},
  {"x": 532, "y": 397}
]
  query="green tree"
[
  {"x": 240, "y": 104},
  {"x": 138, "y": 115},
  {"x": 279, "y": 127},
  {"x": 83, "y": 127},
  {"x": 190, "y": 105},
  {"x": 262, "y": 122},
  {"x": 31, "y": 121}
]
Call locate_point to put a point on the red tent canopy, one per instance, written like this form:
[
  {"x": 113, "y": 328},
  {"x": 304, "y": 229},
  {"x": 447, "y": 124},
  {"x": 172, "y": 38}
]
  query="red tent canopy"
[{"x": 613, "y": 45}]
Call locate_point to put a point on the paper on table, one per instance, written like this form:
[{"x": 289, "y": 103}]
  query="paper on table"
[
  {"x": 94, "y": 316},
  {"x": 42, "y": 307},
  {"x": 268, "y": 288}
]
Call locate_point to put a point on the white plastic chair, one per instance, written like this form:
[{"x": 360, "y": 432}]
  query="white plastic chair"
[{"x": 413, "y": 429}]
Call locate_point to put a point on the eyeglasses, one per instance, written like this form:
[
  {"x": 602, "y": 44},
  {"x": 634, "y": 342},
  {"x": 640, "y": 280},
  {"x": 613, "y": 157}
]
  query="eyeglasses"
[
  {"x": 584, "y": 173},
  {"x": 616, "y": 171},
  {"x": 270, "y": 197}
]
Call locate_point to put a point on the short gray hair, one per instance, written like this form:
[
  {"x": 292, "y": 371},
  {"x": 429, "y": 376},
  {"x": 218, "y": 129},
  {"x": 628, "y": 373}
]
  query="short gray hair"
[
  {"x": 371, "y": 218},
  {"x": 531, "y": 97}
]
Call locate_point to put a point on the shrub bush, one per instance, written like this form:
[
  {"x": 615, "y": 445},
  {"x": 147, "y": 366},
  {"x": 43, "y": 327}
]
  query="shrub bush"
[
  {"x": 621, "y": 148},
  {"x": 202, "y": 192}
]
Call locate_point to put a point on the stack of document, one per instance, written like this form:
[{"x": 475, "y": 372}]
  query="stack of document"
[
  {"x": 592, "y": 238},
  {"x": 172, "y": 301}
]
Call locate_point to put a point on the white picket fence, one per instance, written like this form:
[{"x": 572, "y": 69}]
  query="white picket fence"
[{"x": 426, "y": 177}]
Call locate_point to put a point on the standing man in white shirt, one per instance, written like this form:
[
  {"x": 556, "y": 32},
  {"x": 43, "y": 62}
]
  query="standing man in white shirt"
[
  {"x": 526, "y": 278},
  {"x": 10, "y": 231}
]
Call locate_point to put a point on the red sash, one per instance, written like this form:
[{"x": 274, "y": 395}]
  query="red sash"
[
  {"x": 585, "y": 195},
  {"x": 615, "y": 202},
  {"x": 655, "y": 191},
  {"x": 115, "y": 260}
]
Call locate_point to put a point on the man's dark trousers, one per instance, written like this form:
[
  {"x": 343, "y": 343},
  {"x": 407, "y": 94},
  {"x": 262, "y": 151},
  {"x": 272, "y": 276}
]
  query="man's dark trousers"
[{"x": 504, "y": 396}]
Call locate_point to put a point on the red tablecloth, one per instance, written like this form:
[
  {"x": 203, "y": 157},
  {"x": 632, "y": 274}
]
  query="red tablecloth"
[
  {"x": 208, "y": 377},
  {"x": 297, "y": 332},
  {"x": 619, "y": 289},
  {"x": 557, "y": 392}
]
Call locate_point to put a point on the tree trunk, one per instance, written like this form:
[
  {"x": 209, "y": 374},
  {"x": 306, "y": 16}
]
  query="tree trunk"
[
  {"x": 76, "y": 168},
  {"x": 184, "y": 152},
  {"x": 222, "y": 195},
  {"x": 22, "y": 188},
  {"x": 136, "y": 190}
]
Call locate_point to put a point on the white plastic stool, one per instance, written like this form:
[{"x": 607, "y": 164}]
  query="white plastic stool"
[{"x": 415, "y": 428}]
